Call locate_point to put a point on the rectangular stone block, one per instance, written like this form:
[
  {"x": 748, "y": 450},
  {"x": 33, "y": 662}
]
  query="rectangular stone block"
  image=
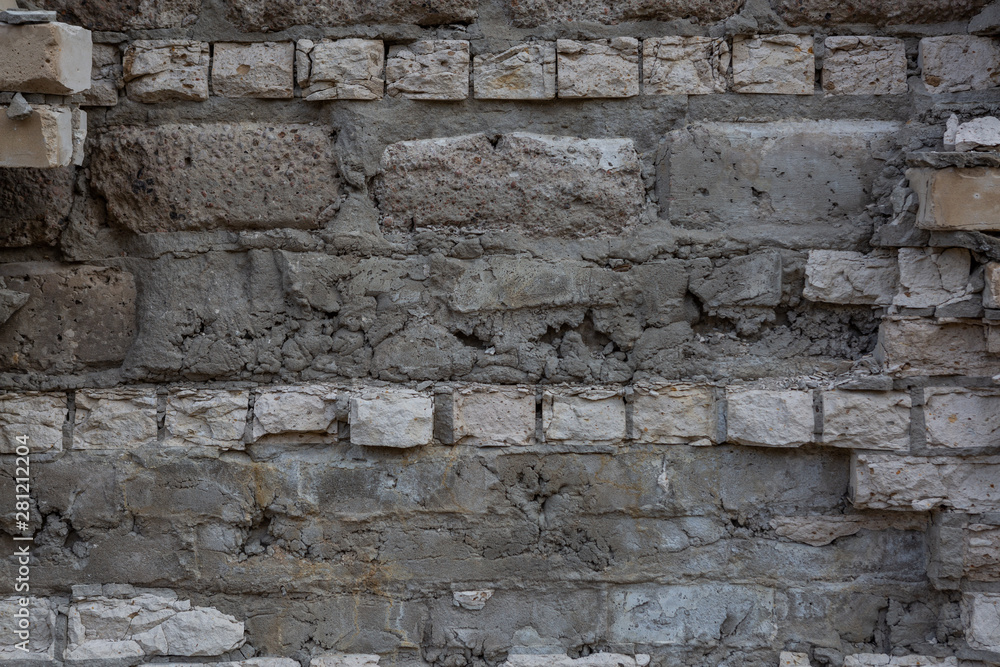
[
  {"x": 166, "y": 70},
  {"x": 864, "y": 65},
  {"x": 429, "y": 70},
  {"x": 552, "y": 186},
  {"x": 397, "y": 418},
  {"x": 867, "y": 420},
  {"x": 684, "y": 65},
  {"x": 882, "y": 660},
  {"x": 258, "y": 69},
  {"x": 910, "y": 347},
  {"x": 677, "y": 414},
  {"x": 213, "y": 418},
  {"x": 825, "y": 12},
  {"x": 39, "y": 416},
  {"x": 957, "y": 199},
  {"x": 820, "y": 530},
  {"x": 584, "y": 416},
  {"x": 532, "y": 13},
  {"x": 343, "y": 69},
  {"x": 34, "y": 204},
  {"x": 887, "y": 481},
  {"x": 268, "y": 15},
  {"x": 981, "y": 558},
  {"x": 122, "y": 16},
  {"x": 750, "y": 280},
  {"x": 43, "y": 140},
  {"x": 291, "y": 413},
  {"x": 493, "y": 416},
  {"x": 847, "y": 277},
  {"x": 769, "y": 418},
  {"x": 106, "y": 77},
  {"x": 774, "y": 64},
  {"x": 932, "y": 276},
  {"x": 981, "y": 618},
  {"x": 198, "y": 177},
  {"x": 959, "y": 418},
  {"x": 114, "y": 418},
  {"x": 523, "y": 72},
  {"x": 954, "y": 63},
  {"x": 598, "y": 68},
  {"x": 41, "y": 645},
  {"x": 50, "y": 58},
  {"x": 991, "y": 290}
]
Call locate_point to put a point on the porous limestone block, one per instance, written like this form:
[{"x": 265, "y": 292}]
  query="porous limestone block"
[
  {"x": 910, "y": 347},
  {"x": 122, "y": 17},
  {"x": 789, "y": 659},
  {"x": 493, "y": 416},
  {"x": 820, "y": 530},
  {"x": 342, "y": 69},
  {"x": 106, "y": 77},
  {"x": 593, "y": 415},
  {"x": 962, "y": 417},
  {"x": 882, "y": 660},
  {"x": 748, "y": 280},
  {"x": 39, "y": 416},
  {"x": 43, "y": 140},
  {"x": 114, "y": 418},
  {"x": 981, "y": 618},
  {"x": 991, "y": 292},
  {"x": 344, "y": 660},
  {"x": 165, "y": 70},
  {"x": 848, "y": 277},
  {"x": 429, "y": 70},
  {"x": 532, "y": 13},
  {"x": 258, "y": 69},
  {"x": 774, "y": 64},
  {"x": 684, "y": 65},
  {"x": 562, "y": 660},
  {"x": 867, "y": 419},
  {"x": 827, "y": 12},
  {"x": 206, "y": 418},
  {"x": 598, "y": 68},
  {"x": 977, "y": 134},
  {"x": 888, "y": 481},
  {"x": 677, "y": 414},
  {"x": 42, "y": 615},
  {"x": 472, "y": 600},
  {"x": 769, "y": 418},
  {"x": 50, "y": 58},
  {"x": 954, "y": 63},
  {"x": 522, "y": 72},
  {"x": 36, "y": 203},
  {"x": 953, "y": 199},
  {"x": 864, "y": 65},
  {"x": 398, "y": 418},
  {"x": 267, "y": 15},
  {"x": 932, "y": 276},
  {"x": 295, "y": 413},
  {"x": 981, "y": 560}
]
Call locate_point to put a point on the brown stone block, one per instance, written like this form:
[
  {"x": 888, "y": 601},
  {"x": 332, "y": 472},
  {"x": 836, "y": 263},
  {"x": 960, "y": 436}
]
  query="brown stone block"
[
  {"x": 33, "y": 205},
  {"x": 957, "y": 199},
  {"x": 878, "y": 12}
]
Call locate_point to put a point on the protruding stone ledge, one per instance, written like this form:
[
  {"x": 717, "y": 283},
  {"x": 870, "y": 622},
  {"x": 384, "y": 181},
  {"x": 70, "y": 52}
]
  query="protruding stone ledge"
[
  {"x": 953, "y": 198},
  {"x": 50, "y": 58},
  {"x": 886, "y": 481}
]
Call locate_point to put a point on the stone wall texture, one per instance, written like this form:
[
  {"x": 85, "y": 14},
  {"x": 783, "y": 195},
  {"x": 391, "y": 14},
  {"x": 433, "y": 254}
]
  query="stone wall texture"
[{"x": 502, "y": 333}]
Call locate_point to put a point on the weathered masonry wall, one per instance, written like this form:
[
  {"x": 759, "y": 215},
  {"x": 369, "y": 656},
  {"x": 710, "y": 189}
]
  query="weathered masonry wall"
[{"x": 505, "y": 332}]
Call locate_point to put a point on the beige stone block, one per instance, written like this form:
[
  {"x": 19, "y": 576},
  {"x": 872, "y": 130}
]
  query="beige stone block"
[
  {"x": 774, "y": 65},
  {"x": 991, "y": 292},
  {"x": 397, "y": 418},
  {"x": 106, "y": 77},
  {"x": 114, "y": 418},
  {"x": 343, "y": 69},
  {"x": 289, "y": 413},
  {"x": 931, "y": 277},
  {"x": 44, "y": 139},
  {"x": 957, "y": 199},
  {"x": 769, "y": 418},
  {"x": 678, "y": 414},
  {"x": 166, "y": 70},
  {"x": 910, "y": 347},
  {"x": 684, "y": 65},
  {"x": 888, "y": 481},
  {"x": 882, "y": 660},
  {"x": 864, "y": 65},
  {"x": 50, "y": 58},
  {"x": 259, "y": 69},
  {"x": 847, "y": 277},
  {"x": 493, "y": 416},
  {"x": 598, "y": 68},
  {"x": 594, "y": 415},
  {"x": 955, "y": 63},
  {"x": 979, "y": 134},
  {"x": 981, "y": 618},
  {"x": 429, "y": 70},
  {"x": 958, "y": 418},
  {"x": 38, "y": 416},
  {"x": 206, "y": 418},
  {"x": 522, "y": 72},
  {"x": 866, "y": 419},
  {"x": 789, "y": 659}
]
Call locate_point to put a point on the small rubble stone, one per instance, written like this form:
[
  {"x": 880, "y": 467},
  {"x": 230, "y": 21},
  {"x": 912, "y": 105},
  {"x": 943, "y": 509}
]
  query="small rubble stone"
[
  {"x": 957, "y": 199},
  {"x": 596, "y": 415},
  {"x": 472, "y": 600},
  {"x": 49, "y": 58},
  {"x": 41, "y": 644},
  {"x": 43, "y": 140},
  {"x": 955, "y": 63},
  {"x": 766, "y": 418},
  {"x": 295, "y": 414},
  {"x": 978, "y": 134},
  {"x": 981, "y": 618},
  {"x": 598, "y": 68},
  {"x": 493, "y": 416},
  {"x": 343, "y": 69},
  {"x": 114, "y": 418},
  {"x": 165, "y": 70},
  {"x": 39, "y": 416},
  {"x": 206, "y": 418},
  {"x": 107, "y": 77},
  {"x": 866, "y": 420},
  {"x": 888, "y": 481},
  {"x": 522, "y": 72},
  {"x": 259, "y": 69},
  {"x": 774, "y": 65},
  {"x": 864, "y": 65},
  {"x": 398, "y": 418},
  {"x": 959, "y": 418},
  {"x": 684, "y": 65},
  {"x": 932, "y": 276},
  {"x": 19, "y": 108},
  {"x": 847, "y": 277},
  {"x": 429, "y": 70},
  {"x": 679, "y": 414},
  {"x": 344, "y": 660}
]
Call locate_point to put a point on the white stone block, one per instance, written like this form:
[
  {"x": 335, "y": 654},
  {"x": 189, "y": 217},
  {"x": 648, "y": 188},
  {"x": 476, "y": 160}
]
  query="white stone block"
[
  {"x": 978, "y": 134},
  {"x": 770, "y": 418},
  {"x": 472, "y": 600},
  {"x": 932, "y": 276},
  {"x": 206, "y": 418},
  {"x": 523, "y": 72},
  {"x": 258, "y": 69},
  {"x": 789, "y": 659},
  {"x": 343, "y": 69},
  {"x": 991, "y": 293},
  {"x": 981, "y": 618},
  {"x": 678, "y": 414},
  {"x": 39, "y": 416},
  {"x": 344, "y": 660},
  {"x": 499, "y": 416},
  {"x": 598, "y": 68},
  {"x": 864, "y": 65},
  {"x": 882, "y": 660},
  {"x": 774, "y": 64},
  {"x": 43, "y": 140},
  {"x": 867, "y": 419},
  {"x": 398, "y": 418},
  {"x": 165, "y": 70},
  {"x": 429, "y": 70},
  {"x": 50, "y": 58},
  {"x": 844, "y": 276},
  {"x": 42, "y": 614},
  {"x": 887, "y": 481},
  {"x": 114, "y": 418},
  {"x": 306, "y": 413},
  {"x": 562, "y": 660},
  {"x": 955, "y": 63},
  {"x": 684, "y": 65},
  {"x": 962, "y": 417},
  {"x": 596, "y": 415}
]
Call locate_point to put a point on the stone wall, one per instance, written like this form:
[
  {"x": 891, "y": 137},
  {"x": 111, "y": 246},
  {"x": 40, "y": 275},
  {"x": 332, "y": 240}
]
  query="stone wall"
[{"x": 527, "y": 333}]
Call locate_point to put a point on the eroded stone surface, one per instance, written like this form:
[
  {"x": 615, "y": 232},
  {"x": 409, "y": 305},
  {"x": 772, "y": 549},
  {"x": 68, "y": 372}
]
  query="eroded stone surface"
[
  {"x": 164, "y": 70},
  {"x": 767, "y": 418},
  {"x": 256, "y": 15},
  {"x": 953, "y": 63},
  {"x": 957, "y": 199},
  {"x": 598, "y": 68},
  {"x": 296, "y": 414},
  {"x": 258, "y": 69},
  {"x": 864, "y": 65},
  {"x": 750, "y": 280},
  {"x": 206, "y": 418},
  {"x": 882, "y": 660},
  {"x": 977, "y": 134},
  {"x": 343, "y": 69},
  {"x": 39, "y": 416},
  {"x": 41, "y": 644},
  {"x": 825, "y": 12},
  {"x": 675, "y": 414},
  {"x": 561, "y": 660},
  {"x": 114, "y": 418},
  {"x": 428, "y": 70},
  {"x": 961, "y": 417},
  {"x": 915, "y": 347},
  {"x": 523, "y": 72},
  {"x": 684, "y": 65},
  {"x": 886, "y": 481},
  {"x": 981, "y": 617},
  {"x": 34, "y": 204},
  {"x": 51, "y": 58},
  {"x": 843, "y": 276},
  {"x": 397, "y": 418},
  {"x": 344, "y": 660},
  {"x": 866, "y": 419},
  {"x": 586, "y": 416},
  {"x": 126, "y": 14},
  {"x": 774, "y": 65},
  {"x": 819, "y": 531},
  {"x": 107, "y": 77},
  {"x": 530, "y": 13},
  {"x": 43, "y": 140},
  {"x": 932, "y": 276},
  {"x": 494, "y": 416}
]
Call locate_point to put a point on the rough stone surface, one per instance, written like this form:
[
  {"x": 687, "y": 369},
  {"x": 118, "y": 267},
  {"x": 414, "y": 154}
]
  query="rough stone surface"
[
  {"x": 493, "y": 416},
  {"x": 303, "y": 414},
  {"x": 882, "y": 660},
  {"x": 886, "y": 481},
  {"x": 991, "y": 290},
  {"x": 684, "y": 65},
  {"x": 453, "y": 183},
  {"x": 264, "y": 15},
  {"x": 790, "y": 659},
  {"x": 592, "y": 660},
  {"x": 107, "y": 77},
  {"x": 981, "y": 615},
  {"x": 961, "y": 417},
  {"x": 866, "y": 420},
  {"x": 750, "y": 280},
  {"x": 819, "y": 531},
  {"x": 39, "y": 416},
  {"x": 50, "y": 58},
  {"x": 766, "y": 418},
  {"x": 472, "y": 600},
  {"x": 41, "y": 644},
  {"x": 344, "y": 660},
  {"x": 598, "y": 68},
  {"x": 34, "y": 204},
  {"x": 522, "y": 72},
  {"x": 396, "y": 418},
  {"x": 825, "y": 12},
  {"x": 260, "y": 69},
  {"x": 428, "y": 70},
  {"x": 679, "y": 414},
  {"x": 43, "y": 140},
  {"x": 915, "y": 347},
  {"x": 530, "y": 13},
  {"x": 343, "y": 69},
  {"x": 957, "y": 199},
  {"x": 185, "y": 177},
  {"x": 206, "y": 418},
  {"x": 932, "y": 276},
  {"x": 864, "y": 66},
  {"x": 164, "y": 70},
  {"x": 114, "y": 418},
  {"x": 844, "y": 276},
  {"x": 977, "y": 134},
  {"x": 774, "y": 65},
  {"x": 125, "y": 14},
  {"x": 953, "y": 63},
  {"x": 587, "y": 416}
]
